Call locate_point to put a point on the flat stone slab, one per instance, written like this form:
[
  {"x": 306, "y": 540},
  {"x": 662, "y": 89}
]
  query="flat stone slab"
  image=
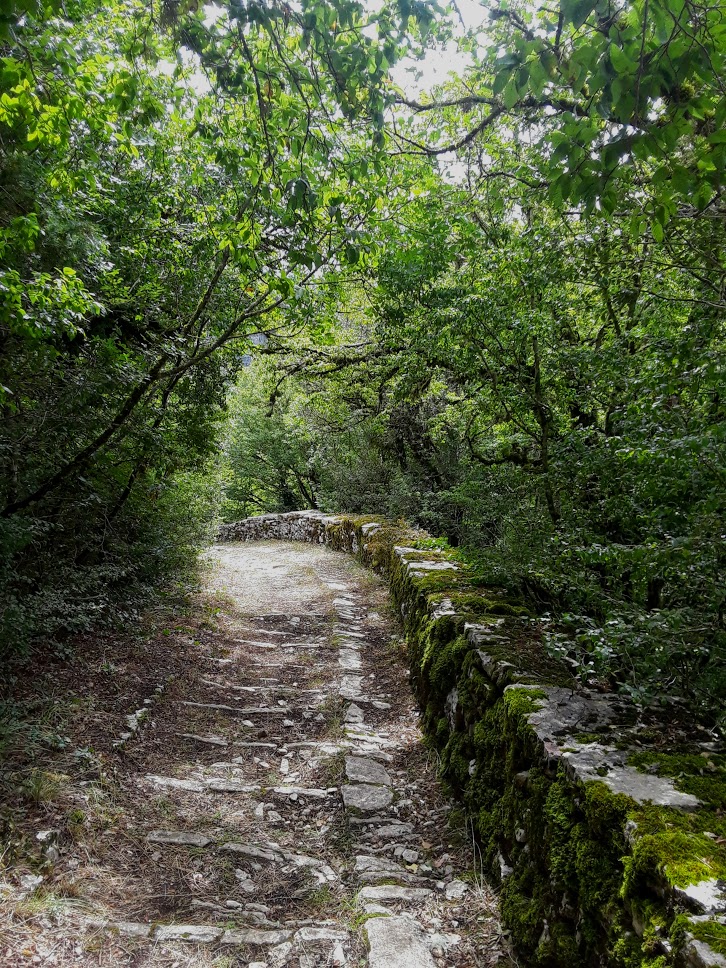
[
  {"x": 393, "y": 892},
  {"x": 199, "y": 933},
  {"x": 128, "y": 929},
  {"x": 396, "y": 942},
  {"x": 418, "y": 568},
  {"x": 377, "y": 868},
  {"x": 366, "y": 734},
  {"x": 308, "y": 934},
  {"x": 354, "y": 714},
  {"x": 275, "y": 854},
  {"x": 240, "y": 710},
  {"x": 359, "y": 769},
  {"x": 708, "y": 897},
  {"x": 393, "y": 831},
  {"x": 295, "y": 791},
  {"x": 455, "y": 890},
  {"x": 388, "y": 877},
  {"x": 349, "y": 659},
  {"x": 594, "y": 761},
  {"x": 698, "y": 954},
  {"x": 231, "y": 786},
  {"x": 208, "y": 740},
  {"x": 562, "y": 713},
  {"x": 192, "y": 786},
  {"x": 377, "y": 909},
  {"x": 370, "y": 752},
  {"x": 254, "y": 853},
  {"x": 181, "y": 838},
  {"x": 214, "y": 785},
  {"x": 351, "y": 687},
  {"x": 366, "y": 798},
  {"x": 255, "y": 936},
  {"x": 365, "y": 862}
]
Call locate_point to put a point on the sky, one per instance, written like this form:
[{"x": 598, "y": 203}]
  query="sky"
[{"x": 436, "y": 65}]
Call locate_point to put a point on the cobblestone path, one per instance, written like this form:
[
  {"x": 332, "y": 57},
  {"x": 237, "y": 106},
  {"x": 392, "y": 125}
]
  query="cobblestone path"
[{"x": 283, "y": 809}]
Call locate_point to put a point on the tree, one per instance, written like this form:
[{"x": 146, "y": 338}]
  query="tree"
[
  {"x": 627, "y": 96},
  {"x": 172, "y": 186},
  {"x": 537, "y": 388}
]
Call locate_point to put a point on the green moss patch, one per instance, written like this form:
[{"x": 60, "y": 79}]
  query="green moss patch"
[
  {"x": 703, "y": 775},
  {"x": 673, "y": 845},
  {"x": 520, "y": 701},
  {"x": 711, "y": 932},
  {"x": 475, "y": 603},
  {"x": 684, "y": 848}
]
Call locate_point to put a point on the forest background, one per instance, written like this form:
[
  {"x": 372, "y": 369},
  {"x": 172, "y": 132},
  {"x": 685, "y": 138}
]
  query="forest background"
[{"x": 242, "y": 271}]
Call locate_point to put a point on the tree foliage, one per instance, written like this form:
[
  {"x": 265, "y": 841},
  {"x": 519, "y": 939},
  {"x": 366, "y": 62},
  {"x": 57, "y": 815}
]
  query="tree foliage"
[
  {"x": 496, "y": 309},
  {"x": 540, "y": 374},
  {"x": 171, "y": 186}
]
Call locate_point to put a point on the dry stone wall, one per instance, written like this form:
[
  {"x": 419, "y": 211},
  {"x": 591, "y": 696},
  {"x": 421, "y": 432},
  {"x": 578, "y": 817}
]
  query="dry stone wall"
[{"x": 605, "y": 828}]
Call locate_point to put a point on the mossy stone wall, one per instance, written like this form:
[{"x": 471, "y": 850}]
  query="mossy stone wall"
[{"x": 608, "y": 849}]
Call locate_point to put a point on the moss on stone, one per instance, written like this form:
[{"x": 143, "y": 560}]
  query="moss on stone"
[
  {"x": 527, "y": 654},
  {"x": 520, "y": 701},
  {"x": 628, "y": 951},
  {"x": 680, "y": 847},
  {"x": 673, "y": 845},
  {"x": 475, "y": 689},
  {"x": 445, "y": 663},
  {"x": 523, "y": 910},
  {"x": 456, "y": 757},
  {"x": 441, "y": 732},
  {"x": 443, "y": 583},
  {"x": 377, "y": 547},
  {"x": 712, "y": 933},
  {"x": 478, "y": 603},
  {"x": 702, "y": 775},
  {"x": 575, "y": 840}
]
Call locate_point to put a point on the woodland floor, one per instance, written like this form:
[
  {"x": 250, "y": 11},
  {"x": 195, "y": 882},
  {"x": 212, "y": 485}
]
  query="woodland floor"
[{"x": 242, "y": 784}]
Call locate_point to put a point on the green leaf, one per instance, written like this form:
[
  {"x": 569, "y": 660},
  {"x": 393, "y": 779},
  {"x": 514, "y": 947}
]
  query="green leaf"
[
  {"x": 500, "y": 82},
  {"x": 620, "y": 60},
  {"x": 511, "y": 94},
  {"x": 577, "y": 11}
]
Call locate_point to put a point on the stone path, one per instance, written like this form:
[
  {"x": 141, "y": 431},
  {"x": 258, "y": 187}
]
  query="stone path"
[{"x": 284, "y": 810}]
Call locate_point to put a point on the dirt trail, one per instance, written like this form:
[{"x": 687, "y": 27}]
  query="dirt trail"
[{"x": 265, "y": 798}]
